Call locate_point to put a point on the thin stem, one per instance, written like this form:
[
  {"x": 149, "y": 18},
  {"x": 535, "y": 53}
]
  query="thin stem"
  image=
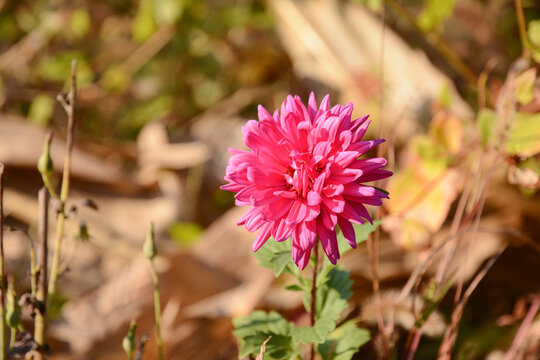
[
  {"x": 3, "y": 347},
  {"x": 157, "y": 308},
  {"x": 526, "y": 52},
  {"x": 70, "y": 110},
  {"x": 450, "y": 333},
  {"x": 523, "y": 329},
  {"x": 13, "y": 332},
  {"x": 40, "y": 323},
  {"x": 417, "y": 336},
  {"x": 314, "y": 295}
]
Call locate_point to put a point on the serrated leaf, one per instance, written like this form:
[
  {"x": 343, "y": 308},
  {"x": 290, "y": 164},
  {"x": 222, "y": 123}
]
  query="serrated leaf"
[
  {"x": 344, "y": 342},
  {"x": 276, "y": 256},
  {"x": 278, "y": 347},
  {"x": 313, "y": 334},
  {"x": 253, "y": 330},
  {"x": 330, "y": 301},
  {"x": 280, "y": 262}
]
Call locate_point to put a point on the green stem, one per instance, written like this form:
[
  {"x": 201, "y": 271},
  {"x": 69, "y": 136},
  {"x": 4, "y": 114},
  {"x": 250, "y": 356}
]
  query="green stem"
[
  {"x": 314, "y": 294},
  {"x": 157, "y": 308},
  {"x": 70, "y": 110},
  {"x": 40, "y": 323},
  {"x": 12, "y": 337},
  {"x": 526, "y": 53},
  {"x": 3, "y": 347}
]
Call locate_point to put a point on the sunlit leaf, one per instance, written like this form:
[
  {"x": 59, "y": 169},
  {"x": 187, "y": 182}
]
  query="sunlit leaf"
[
  {"x": 331, "y": 299},
  {"x": 144, "y": 24},
  {"x": 525, "y": 86},
  {"x": 524, "y": 138},
  {"x": 254, "y": 330},
  {"x": 343, "y": 342}
]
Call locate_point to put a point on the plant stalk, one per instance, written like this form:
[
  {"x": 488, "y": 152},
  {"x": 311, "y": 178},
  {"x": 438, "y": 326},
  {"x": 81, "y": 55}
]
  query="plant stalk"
[
  {"x": 157, "y": 308},
  {"x": 526, "y": 52},
  {"x": 70, "y": 110},
  {"x": 3, "y": 344},
  {"x": 314, "y": 295},
  {"x": 40, "y": 322}
]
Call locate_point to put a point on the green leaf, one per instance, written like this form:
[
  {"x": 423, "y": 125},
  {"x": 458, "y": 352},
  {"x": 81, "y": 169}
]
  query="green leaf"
[
  {"x": 343, "y": 342},
  {"x": 313, "y": 334},
  {"x": 280, "y": 261},
  {"x": 253, "y": 330},
  {"x": 524, "y": 86},
  {"x": 524, "y": 138},
  {"x": 486, "y": 122},
  {"x": 534, "y": 32},
  {"x": 144, "y": 24},
  {"x": 331, "y": 299},
  {"x": 294, "y": 287},
  {"x": 277, "y": 257}
]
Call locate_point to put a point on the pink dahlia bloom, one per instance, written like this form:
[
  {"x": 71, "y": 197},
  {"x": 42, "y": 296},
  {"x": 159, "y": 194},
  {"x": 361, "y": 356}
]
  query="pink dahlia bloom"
[{"x": 303, "y": 176}]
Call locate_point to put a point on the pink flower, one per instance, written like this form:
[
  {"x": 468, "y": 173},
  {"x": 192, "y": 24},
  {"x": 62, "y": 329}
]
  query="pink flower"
[{"x": 303, "y": 176}]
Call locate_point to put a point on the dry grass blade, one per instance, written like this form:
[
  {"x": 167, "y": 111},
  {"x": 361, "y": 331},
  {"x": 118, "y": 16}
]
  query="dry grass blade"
[
  {"x": 523, "y": 329},
  {"x": 445, "y": 351},
  {"x": 263, "y": 349}
]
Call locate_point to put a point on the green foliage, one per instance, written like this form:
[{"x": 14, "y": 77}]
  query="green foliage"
[
  {"x": 486, "y": 122},
  {"x": 277, "y": 257},
  {"x": 343, "y": 342},
  {"x": 524, "y": 138},
  {"x": 253, "y": 330},
  {"x": 144, "y": 25},
  {"x": 524, "y": 86},
  {"x": 533, "y": 31},
  {"x": 331, "y": 299},
  {"x": 435, "y": 14}
]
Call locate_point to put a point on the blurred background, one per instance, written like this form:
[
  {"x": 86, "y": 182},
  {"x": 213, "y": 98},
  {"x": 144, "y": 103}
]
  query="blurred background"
[{"x": 164, "y": 87}]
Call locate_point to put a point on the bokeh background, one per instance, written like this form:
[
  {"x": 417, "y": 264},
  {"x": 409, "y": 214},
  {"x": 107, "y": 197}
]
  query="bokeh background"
[{"x": 164, "y": 88}]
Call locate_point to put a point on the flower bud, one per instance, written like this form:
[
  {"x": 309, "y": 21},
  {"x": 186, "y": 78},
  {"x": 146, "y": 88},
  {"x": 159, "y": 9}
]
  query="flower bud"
[
  {"x": 149, "y": 247},
  {"x": 129, "y": 340}
]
